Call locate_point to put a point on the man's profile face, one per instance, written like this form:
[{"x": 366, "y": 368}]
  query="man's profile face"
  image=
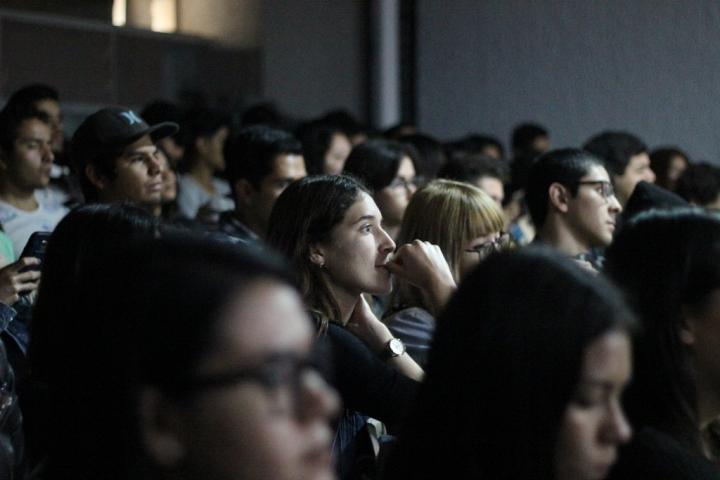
[
  {"x": 637, "y": 170},
  {"x": 286, "y": 169},
  {"x": 493, "y": 187},
  {"x": 591, "y": 215},
  {"x": 138, "y": 175},
  {"x": 28, "y": 166}
]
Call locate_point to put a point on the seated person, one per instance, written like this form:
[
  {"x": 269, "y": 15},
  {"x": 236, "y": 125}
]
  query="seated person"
[
  {"x": 668, "y": 164},
  {"x": 201, "y": 195},
  {"x": 325, "y": 147},
  {"x": 261, "y": 163},
  {"x": 466, "y": 224},
  {"x": 115, "y": 154},
  {"x": 387, "y": 169},
  {"x": 700, "y": 185},
  {"x": 625, "y": 157},
  {"x": 572, "y": 204},
  {"x": 26, "y": 157},
  {"x": 486, "y": 173}
]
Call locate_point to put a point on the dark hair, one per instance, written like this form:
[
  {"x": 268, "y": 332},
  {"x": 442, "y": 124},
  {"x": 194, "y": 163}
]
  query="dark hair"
[
  {"x": 429, "y": 156},
  {"x": 151, "y": 323},
  {"x": 660, "y": 162},
  {"x": 524, "y": 135},
  {"x": 615, "y": 149},
  {"x": 344, "y": 120},
  {"x": 470, "y": 168},
  {"x": 199, "y": 123},
  {"x": 265, "y": 113},
  {"x": 304, "y": 215},
  {"x": 665, "y": 262},
  {"x": 28, "y": 96},
  {"x": 10, "y": 121},
  {"x": 160, "y": 111},
  {"x": 251, "y": 153},
  {"x": 376, "y": 162},
  {"x": 699, "y": 184},
  {"x": 506, "y": 361},
  {"x": 316, "y": 138},
  {"x": 565, "y": 166},
  {"x": 473, "y": 144}
]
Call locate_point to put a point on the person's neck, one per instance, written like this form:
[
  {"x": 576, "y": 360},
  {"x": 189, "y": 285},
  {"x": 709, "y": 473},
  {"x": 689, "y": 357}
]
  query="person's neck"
[
  {"x": 254, "y": 224},
  {"x": 558, "y": 235},
  {"x": 204, "y": 175},
  {"x": 346, "y": 302},
  {"x": 20, "y": 198}
]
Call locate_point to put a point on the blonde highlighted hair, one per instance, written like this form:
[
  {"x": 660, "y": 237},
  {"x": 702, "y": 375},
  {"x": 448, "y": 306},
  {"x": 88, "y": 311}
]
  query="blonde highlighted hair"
[{"x": 449, "y": 214}]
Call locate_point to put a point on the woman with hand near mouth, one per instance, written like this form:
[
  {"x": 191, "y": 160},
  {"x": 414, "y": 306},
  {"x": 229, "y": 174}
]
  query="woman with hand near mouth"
[{"x": 331, "y": 230}]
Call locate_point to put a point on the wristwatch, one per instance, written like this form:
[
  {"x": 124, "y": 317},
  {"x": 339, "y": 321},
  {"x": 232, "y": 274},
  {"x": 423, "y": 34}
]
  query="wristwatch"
[{"x": 393, "y": 348}]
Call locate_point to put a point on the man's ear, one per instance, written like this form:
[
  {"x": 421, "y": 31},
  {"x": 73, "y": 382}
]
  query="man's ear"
[
  {"x": 98, "y": 180},
  {"x": 161, "y": 428},
  {"x": 559, "y": 196},
  {"x": 317, "y": 255},
  {"x": 243, "y": 191}
]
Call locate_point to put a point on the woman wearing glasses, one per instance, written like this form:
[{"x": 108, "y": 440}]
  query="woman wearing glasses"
[
  {"x": 388, "y": 170},
  {"x": 467, "y": 226}
]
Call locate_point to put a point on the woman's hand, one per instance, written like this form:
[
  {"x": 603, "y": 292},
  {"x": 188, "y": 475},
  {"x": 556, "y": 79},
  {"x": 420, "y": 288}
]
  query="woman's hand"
[
  {"x": 365, "y": 325},
  {"x": 422, "y": 264},
  {"x": 13, "y": 283}
]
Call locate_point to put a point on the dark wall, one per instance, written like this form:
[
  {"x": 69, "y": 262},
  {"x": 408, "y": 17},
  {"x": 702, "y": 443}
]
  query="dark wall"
[
  {"x": 650, "y": 66},
  {"x": 89, "y": 9}
]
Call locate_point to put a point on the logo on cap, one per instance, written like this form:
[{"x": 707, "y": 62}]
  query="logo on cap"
[{"x": 131, "y": 117}]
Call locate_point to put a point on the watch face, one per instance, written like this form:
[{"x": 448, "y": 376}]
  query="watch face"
[{"x": 396, "y": 346}]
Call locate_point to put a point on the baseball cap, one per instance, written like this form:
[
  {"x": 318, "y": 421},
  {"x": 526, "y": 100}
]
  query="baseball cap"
[{"x": 110, "y": 129}]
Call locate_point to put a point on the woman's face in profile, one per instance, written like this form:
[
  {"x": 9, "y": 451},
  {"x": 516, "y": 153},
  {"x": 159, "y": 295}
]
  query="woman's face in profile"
[
  {"x": 393, "y": 199},
  {"x": 594, "y": 424},
  {"x": 266, "y": 412}
]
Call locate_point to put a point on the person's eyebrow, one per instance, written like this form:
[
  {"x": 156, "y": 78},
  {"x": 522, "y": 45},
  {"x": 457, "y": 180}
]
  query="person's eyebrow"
[{"x": 364, "y": 218}]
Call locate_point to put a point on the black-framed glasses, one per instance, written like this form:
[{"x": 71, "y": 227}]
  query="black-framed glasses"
[
  {"x": 499, "y": 243},
  {"x": 399, "y": 182},
  {"x": 282, "y": 376},
  {"x": 606, "y": 189}
]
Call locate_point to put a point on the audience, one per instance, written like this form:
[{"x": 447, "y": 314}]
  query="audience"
[
  {"x": 387, "y": 169},
  {"x": 467, "y": 226},
  {"x": 262, "y": 162},
  {"x": 169, "y": 340},
  {"x": 525, "y": 378},
  {"x": 626, "y": 159},
  {"x": 572, "y": 204},
  {"x": 26, "y": 158}
]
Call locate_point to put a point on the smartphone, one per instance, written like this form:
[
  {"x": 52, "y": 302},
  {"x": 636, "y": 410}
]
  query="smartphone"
[{"x": 35, "y": 247}]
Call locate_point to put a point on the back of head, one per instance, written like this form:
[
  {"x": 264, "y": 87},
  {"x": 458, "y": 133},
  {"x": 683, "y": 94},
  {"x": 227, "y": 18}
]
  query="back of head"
[
  {"x": 28, "y": 96},
  {"x": 506, "y": 360},
  {"x": 615, "y": 149},
  {"x": 251, "y": 154},
  {"x": 661, "y": 162},
  {"x": 565, "y": 166},
  {"x": 316, "y": 138},
  {"x": 305, "y": 214},
  {"x": 429, "y": 157},
  {"x": 470, "y": 168},
  {"x": 665, "y": 262},
  {"x": 524, "y": 137},
  {"x": 700, "y": 184},
  {"x": 375, "y": 161}
]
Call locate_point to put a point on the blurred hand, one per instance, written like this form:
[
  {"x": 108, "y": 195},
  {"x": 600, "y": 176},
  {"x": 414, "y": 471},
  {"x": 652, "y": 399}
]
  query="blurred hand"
[{"x": 13, "y": 283}]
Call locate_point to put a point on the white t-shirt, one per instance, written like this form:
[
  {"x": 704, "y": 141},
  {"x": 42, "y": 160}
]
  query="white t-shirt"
[
  {"x": 192, "y": 197},
  {"x": 19, "y": 224}
]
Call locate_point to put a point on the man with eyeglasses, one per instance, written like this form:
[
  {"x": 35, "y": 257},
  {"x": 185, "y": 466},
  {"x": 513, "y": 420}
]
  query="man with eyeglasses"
[{"x": 572, "y": 204}]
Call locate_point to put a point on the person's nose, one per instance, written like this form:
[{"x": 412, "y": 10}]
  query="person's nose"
[
  {"x": 48, "y": 155},
  {"x": 316, "y": 399},
  {"x": 154, "y": 165},
  {"x": 617, "y": 427},
  {"x": 614, "y": 204},
  {"x": 650, "y": 177},
  {"x": 387, "y": 244}
]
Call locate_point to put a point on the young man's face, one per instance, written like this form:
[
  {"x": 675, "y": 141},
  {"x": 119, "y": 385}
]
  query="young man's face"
[
  {"x": 637, "y": 170},
  {"x": 138, "y": 175},
  {"x": 28, "y": 166},
  {"x": 52, "y": 109},
  {"x": 590, "y": 215},
  {"x": 286, "y": 169}
]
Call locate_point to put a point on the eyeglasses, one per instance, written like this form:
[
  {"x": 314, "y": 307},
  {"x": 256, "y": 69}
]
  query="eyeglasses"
[
  {"x": 399, "y": 182},
  {"x": 500, "y": 243},
  {"x": 282, "y": 376},
  {"x": 606, "y": 189}
]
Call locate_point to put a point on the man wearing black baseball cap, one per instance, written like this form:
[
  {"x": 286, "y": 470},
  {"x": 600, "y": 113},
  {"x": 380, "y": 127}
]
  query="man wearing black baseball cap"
[{"x": 115, "y": 155}]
